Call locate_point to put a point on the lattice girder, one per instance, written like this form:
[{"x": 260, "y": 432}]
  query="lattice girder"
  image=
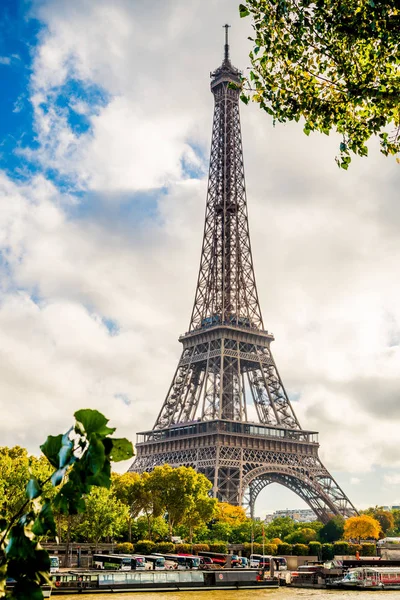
[{"x": 226, "y": 362}]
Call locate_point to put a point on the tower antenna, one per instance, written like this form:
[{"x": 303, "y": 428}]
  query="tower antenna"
[{"x": 226, "y": 55}]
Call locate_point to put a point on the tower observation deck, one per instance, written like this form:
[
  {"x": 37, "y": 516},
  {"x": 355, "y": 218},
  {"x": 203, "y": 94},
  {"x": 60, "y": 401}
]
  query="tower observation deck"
[{"x": 226, "y": 363}]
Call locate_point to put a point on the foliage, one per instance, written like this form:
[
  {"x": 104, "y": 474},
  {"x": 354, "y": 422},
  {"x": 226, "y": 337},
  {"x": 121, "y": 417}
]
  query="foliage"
[
  {"x": 104, "y": 517},
  {"x": 361, "y": 527},
  {"x": 200, "y": 548},
  {"x": 124, "y": 548},
  {"x": 327, "y": 552},
  {"x": 300, "y": 550},
  {"x": 218, "y": 547},
  {"x": 202, "y": 508},
  {"x": 341, "y": 548},
  {"x": 221, "y": 531},
  {"x": 385, "y": 518},
  {"x": 368, "y": 550},
  {"x": 333, "y": 530},
  {"x": 280, "y": 527},
  {"x": 284, "y": 549},
  {"x": 159, "y": 528},
  {"x": 334, "y": 64},
  {"x": 227, "y": 513},
  {"x": 301, "y": 536},
  {"x": 179, "y": 490},
  {"x": 270, "y": 549},
  {"x": 145, "y": 546},
  {"x": 81, "y": 459},
  {"x": 276, "y": 541},
  {"x": 165, "y": 547},
  {"x": 314, "y": 548},
  {"x": 183, "y": 548}
]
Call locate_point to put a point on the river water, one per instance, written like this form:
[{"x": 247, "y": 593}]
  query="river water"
[{"x": 281, "y": 594}]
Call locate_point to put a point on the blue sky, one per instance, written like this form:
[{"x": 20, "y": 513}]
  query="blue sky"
[{"x": 105, "y": 121}]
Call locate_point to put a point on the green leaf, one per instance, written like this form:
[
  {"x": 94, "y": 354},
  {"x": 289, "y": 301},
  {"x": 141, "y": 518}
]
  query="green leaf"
[
  {"x": 95, "y": 456},
  {"x": 51, "y": 448},
  {"x": 122, "y": 449},
  {"x": 243, "y": 11},
  {"x": 45, "y": 521},
  {"x": 244, "y": 98},
  {"x": 27, "y": 590},
  {"x": 92, "y": 420},
  {"x": 58, "y": 476},
  {"x": 33, "y": 489},
  {"x": 66, "y": 452}
]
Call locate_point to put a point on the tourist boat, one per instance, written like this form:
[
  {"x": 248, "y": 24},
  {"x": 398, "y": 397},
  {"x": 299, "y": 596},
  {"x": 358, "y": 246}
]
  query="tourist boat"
[
  {"x": 92, "y": 582},
  {"x": 387, "y": 578}
]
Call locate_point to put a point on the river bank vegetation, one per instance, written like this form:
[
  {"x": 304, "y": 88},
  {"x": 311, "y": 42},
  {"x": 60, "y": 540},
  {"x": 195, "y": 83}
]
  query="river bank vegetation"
[{"x": 143, "y": 513}]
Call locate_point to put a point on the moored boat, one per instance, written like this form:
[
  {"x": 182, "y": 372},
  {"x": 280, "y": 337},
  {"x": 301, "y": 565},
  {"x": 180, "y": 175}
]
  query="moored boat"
[
  {"x": 383, "y": 578},
  {"x": 141, "y": 581}
]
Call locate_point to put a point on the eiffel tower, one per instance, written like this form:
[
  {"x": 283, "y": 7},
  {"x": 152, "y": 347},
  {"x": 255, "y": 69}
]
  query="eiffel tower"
[{"x": 226, "y": 362}]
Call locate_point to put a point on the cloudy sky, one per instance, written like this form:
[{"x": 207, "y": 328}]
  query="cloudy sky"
[{"x": 105, "y": 116}]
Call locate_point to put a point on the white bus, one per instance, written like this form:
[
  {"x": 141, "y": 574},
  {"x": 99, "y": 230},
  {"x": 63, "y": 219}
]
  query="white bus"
[
  {"x": 154, "y": 562},
  {"x": 119, "y": 562}
]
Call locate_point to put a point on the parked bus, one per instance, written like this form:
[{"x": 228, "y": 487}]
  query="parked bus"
[
  {"x": 254, "y": 560},
  {"x": 122, "y": 562},
  {"x": 180, "y": 561},
  {"x": 54, "y": 564},
  {"x": 217, "y": 558},
  {"x": 258, "y": 561},
  {"x": 156, "y": 563}
]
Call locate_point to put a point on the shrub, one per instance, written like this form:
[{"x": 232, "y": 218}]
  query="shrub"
[
  {"x": 284, "y": 549},
  {"x": 183, "y": 548},
  {"x": 145, "y": 546},
  {"x": 327, "y": 552},
  {"x": 124, "y": 548},
  {"x": 300, "y": 550},
  {"x": 276, "y": 541},
  {"x": 314, "y": 548},
  {"x": 219, "y": 547},
  {"x": 270, "y": 549},
  {"x": 353, "y": 548},
  {"x": 165, "y": 547},
  {"x": 200, "y": 548},
  {"x": 368, "y": 550},
  {"x": 341, "y": 548}
]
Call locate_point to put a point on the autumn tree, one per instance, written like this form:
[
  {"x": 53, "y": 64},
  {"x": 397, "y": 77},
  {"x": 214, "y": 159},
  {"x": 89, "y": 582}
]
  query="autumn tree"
[
  {"x": 228, "y": 513},
  {"x": 333, "y": 64},
  {"x": 362, "y": 527},
  {"x": 384, "y": 517}
]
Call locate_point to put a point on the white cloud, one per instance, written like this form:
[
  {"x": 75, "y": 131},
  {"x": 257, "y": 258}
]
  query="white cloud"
[
  {"x": 325, "y": 242},
  {"x": 355, "y": 480},
  {"x": 5, "y": 60},
  {"x": 392, "y": 479}
]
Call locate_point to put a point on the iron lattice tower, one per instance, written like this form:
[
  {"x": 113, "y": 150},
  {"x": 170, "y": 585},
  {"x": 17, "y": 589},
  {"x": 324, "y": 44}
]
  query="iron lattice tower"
[{"x": 226, "y": 359}]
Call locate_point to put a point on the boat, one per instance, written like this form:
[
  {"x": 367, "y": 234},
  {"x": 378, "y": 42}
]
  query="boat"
[
  {"x": 92, "y": 582},
  {"x": 382, "y": 578}
]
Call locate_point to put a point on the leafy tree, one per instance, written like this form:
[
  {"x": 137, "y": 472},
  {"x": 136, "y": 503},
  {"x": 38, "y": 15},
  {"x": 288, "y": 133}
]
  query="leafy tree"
[
  {"x": 159, "y": 528},
  {"x": 104, "y": 517},
  {"x": 221, "y": 531},
  {"x": 227, "y": 513},
  {"x": 361, "y": 527},
  {"x": 81, "y": 459},
  {"x": 201, "y": 511},
  {"x": 334, "y": 64},
  {"x": 125, "y": 489},
  {"x": 178, "y": 490},
  {"x": 144, "y": 496},
  {"x": 384, "y": 517},
  {"x": 301, "y": 536},
  {"x": 280, "y": 527},
  {"x": 332, "y": 530}
]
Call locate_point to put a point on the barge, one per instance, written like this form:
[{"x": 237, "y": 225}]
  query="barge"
[{"x": 92, "y": 582}]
